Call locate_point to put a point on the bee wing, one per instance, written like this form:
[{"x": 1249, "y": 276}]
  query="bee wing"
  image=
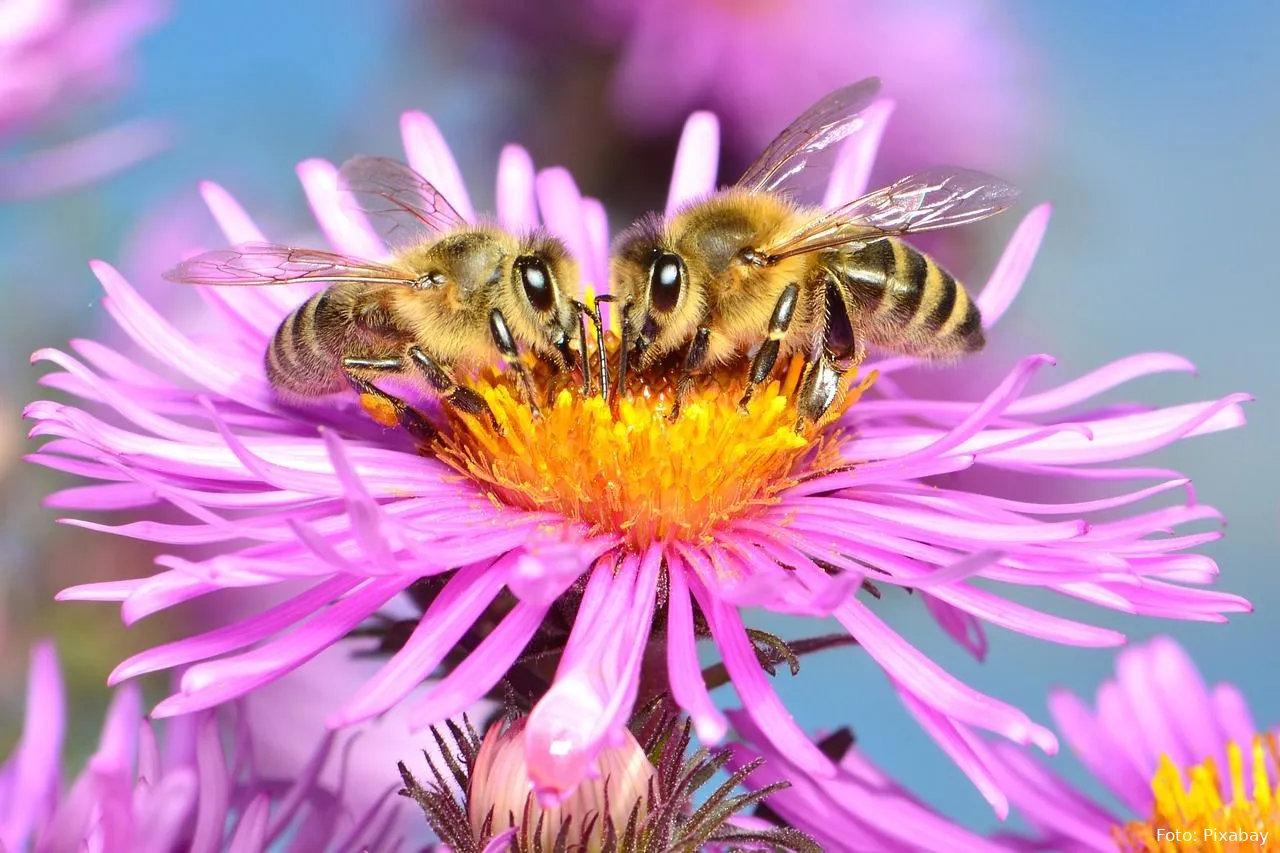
[
  {"x": 405, "y": 205},
  {"x": 798, "y": 147},
  {"x": 266, "y": 263},
  {"x": 926, "y": 201}
]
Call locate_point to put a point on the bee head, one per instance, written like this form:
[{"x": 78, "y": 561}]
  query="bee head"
[
  {"x": 660, "y": 301},
  {"x": 538, "y": 297}
]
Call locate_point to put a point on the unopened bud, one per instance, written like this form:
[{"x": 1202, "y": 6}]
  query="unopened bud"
[{"x": 500, "y": 786}]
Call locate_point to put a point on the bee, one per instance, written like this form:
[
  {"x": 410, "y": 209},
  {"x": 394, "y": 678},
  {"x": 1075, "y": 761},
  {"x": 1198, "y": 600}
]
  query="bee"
[
  {"x": 457, "y": 295},
  {"x": 747, "y": 267}
]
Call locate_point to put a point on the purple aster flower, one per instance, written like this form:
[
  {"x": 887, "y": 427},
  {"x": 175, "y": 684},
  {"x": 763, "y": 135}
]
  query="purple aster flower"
[
  {"x": 956, "y": 69},
  {"x": 860, "y": 809},
  {"x": 1184, "y": 761},
  {"x": 195, "y": 790},
  {"x": 54, "y": 56},
  {"x": 609, "y": 527}
]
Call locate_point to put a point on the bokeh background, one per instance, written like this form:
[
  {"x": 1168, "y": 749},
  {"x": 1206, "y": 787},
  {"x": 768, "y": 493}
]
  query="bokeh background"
[{"x": 1152, "y": 126}]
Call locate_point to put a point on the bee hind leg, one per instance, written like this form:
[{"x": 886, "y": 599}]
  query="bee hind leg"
[
  {"x": 767, "y": 355},
  {"x": 818, "y": 390},
  {"x": 459, "y": 396},
  {"x": 694, "y": 359},
  {"x": 409, "y": 418}
]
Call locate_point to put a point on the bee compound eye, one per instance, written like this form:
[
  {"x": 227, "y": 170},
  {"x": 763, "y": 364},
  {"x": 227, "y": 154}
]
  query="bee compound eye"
[
  {"x": 535, "y": 277},
  {"x": 666, "y": 278}
]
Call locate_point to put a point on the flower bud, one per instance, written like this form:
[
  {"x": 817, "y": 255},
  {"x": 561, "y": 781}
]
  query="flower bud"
[{"x": 500, "y": 784}]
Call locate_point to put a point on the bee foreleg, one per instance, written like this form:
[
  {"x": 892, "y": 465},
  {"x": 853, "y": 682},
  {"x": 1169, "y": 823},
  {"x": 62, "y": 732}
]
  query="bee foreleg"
[
  {"x": 410, "y": 419},
  {"x": 624, "y": 351},
  {"x": 767, "y": 355},
  {"x": 582, "y": 311},
  {"x": 459, "y": 396},
  {"x": 511, "y": 355},
  {"x": 597, "y": 319},
  {"x": 693, "y": 361}
]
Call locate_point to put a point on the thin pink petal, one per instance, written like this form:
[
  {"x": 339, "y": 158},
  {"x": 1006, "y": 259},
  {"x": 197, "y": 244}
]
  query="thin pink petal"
[
  {"x": 683, "y": 669},
  {"x": 430, "y": 157},
  {"x": 345, "y": 232},
  {"x": 852, "y": 171},
  {"x": 516, "y": 201},
  {"x": 1011, "y": 271},
  {"x": 697, "y": 159}
]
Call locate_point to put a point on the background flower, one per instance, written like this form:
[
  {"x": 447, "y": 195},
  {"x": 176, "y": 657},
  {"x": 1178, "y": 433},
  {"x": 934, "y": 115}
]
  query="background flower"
[
  {"x": 957, "y": 71},
  {"x": 195, "y": 789},
  {"x": 56, "y": 57},
  {"x": 1157, "y": 708}
]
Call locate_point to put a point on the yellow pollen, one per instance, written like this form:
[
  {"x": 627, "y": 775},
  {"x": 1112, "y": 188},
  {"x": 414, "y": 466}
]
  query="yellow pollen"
[
  {"x": 627, "y": 469},
  {"x": 1194, "y": 817}
]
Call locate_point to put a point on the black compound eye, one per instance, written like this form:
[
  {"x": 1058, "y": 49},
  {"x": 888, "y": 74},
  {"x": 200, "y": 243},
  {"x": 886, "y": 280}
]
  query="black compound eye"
[
  {"x": 536, "y": 279},
  {"x": 666, "y": 278}
]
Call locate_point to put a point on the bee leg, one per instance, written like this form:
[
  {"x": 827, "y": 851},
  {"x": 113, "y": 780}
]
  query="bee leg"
[
  {"x": 459, "y": 396},
  {"x": 582, "y": 311},
  {"x": 602, "y": 355},
  {"x": 694, "y": 359},
  {"x": 818, "y": 390},
  {"x": 507, "y": 347},
  {"x": 767, "y": 355},
  {"x": 410, "y": 419},
  {"x": 624, "y": 351}
]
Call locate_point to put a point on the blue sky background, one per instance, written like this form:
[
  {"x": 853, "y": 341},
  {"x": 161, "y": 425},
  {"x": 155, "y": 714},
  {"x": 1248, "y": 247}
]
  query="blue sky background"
[{"x": 1162, "y": 132}]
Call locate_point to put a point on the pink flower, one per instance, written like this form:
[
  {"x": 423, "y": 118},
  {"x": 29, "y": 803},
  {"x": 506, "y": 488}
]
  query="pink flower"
[
  {"x": 958, "y": 74},
  {"x": 195, "y": 791},
  {"x": 55, "y": 55},
  {"x": 1153, "y": 726},
  {"x": 609, "y": 524}
]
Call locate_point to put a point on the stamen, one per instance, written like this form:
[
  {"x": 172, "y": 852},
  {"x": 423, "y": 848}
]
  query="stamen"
[
  {"x": 1195, "y": 815},
  {"x": 626, "y": 469}
]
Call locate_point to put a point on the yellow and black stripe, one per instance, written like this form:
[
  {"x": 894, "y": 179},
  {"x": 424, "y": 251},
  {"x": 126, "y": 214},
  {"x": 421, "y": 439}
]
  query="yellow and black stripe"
[
  {"x": 909, "y": 302},
  {"x": 297, "y": 361}
]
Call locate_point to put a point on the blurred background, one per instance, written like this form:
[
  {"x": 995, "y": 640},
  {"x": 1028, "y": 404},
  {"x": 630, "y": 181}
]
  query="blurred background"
[{"x": 1152, "y": 127}]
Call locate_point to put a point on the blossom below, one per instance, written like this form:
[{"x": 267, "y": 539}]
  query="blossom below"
[
  {"x": 195, "y": 791},
  {"x": 641, "y": 801},
  {"x": 610, "y": 526},
  {"x": 1184, "y": 760}
]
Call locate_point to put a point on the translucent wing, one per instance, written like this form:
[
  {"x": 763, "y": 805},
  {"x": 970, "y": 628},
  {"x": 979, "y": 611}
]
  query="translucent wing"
[
  {"x": 266, "y": 263},
  {"x": 926, "y": 201},
  {"x": 801, "y": 145},
  {"x": 401, "y": 203}
]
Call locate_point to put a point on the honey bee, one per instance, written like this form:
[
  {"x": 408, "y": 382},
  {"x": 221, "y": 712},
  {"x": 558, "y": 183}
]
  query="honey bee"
[
  {"x": 455, "y": 296},
  {"x": 747, "y": 267}
]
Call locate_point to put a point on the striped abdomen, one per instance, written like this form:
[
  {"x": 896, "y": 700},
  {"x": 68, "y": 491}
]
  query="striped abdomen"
[
  {"x": 901, "y": 300},
  {"x": 305, "y": 356}
]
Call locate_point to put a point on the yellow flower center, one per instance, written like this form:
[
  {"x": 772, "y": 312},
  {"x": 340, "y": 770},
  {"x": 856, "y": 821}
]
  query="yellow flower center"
[
  {"x": 1194, "y": 817},
  {"x": 630, "y": 470}
]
